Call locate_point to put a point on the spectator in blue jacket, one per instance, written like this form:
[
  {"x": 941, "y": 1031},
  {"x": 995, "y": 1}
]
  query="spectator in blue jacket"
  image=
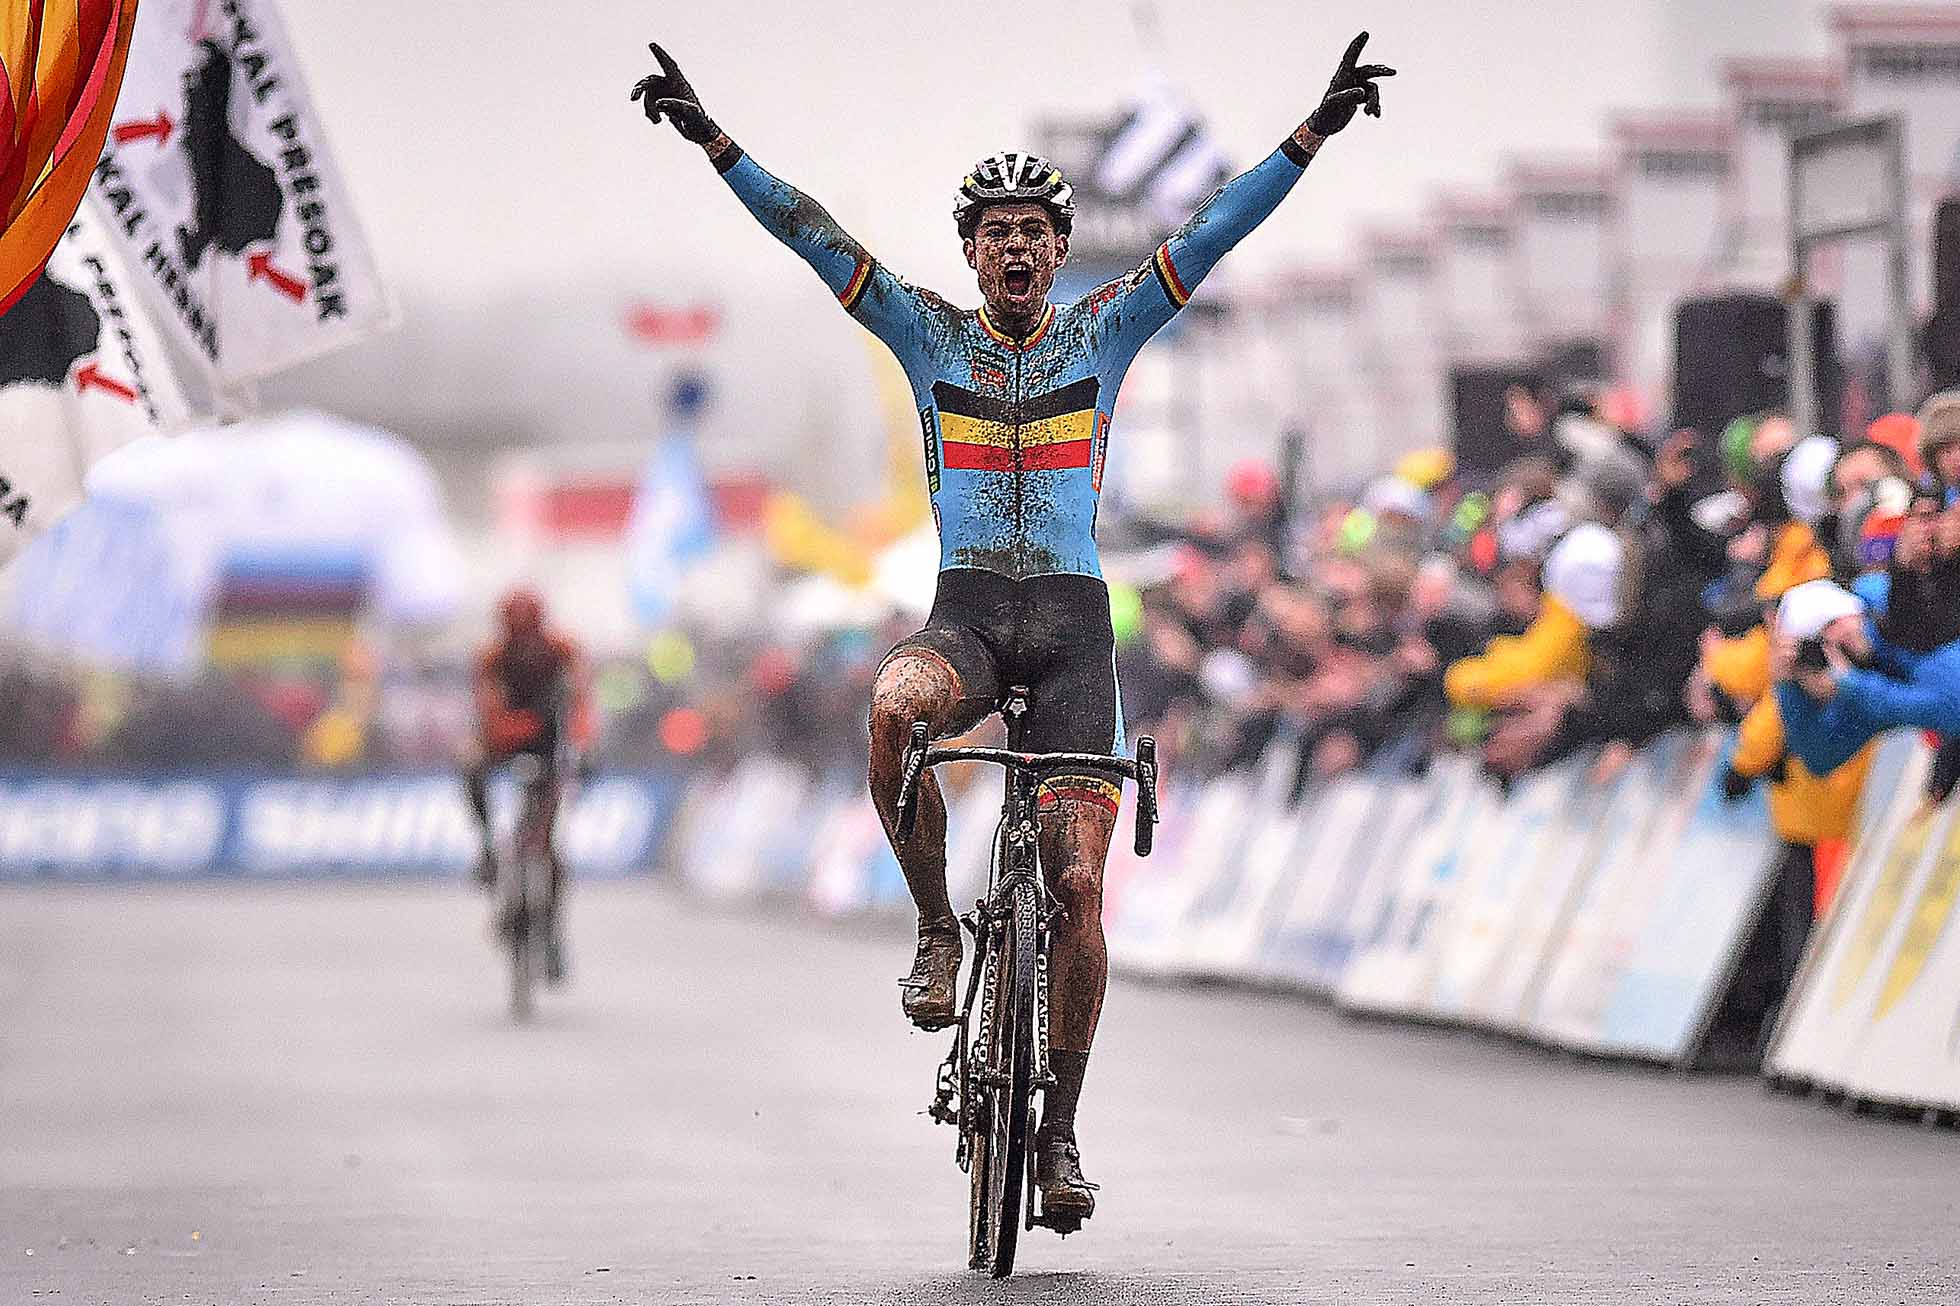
[{"x": 1865, "y": 684}]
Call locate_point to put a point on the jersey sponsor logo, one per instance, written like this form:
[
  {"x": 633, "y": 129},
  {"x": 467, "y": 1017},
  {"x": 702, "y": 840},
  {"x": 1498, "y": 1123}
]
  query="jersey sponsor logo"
[
  {"x": 1101, "y": 296},
  {"x": 989, "y": 372},
  {"x": 932, "y": 450},
  {"x": 853, "y": 289},
  {"x": 1102, "y": 452},
  {"x": 1054, "y": 431}
]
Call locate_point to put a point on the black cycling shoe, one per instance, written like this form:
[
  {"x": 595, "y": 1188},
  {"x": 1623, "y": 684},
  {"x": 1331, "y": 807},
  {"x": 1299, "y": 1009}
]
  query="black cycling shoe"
[
  {"x": 1067, "y": 1199},
  {"x": 931, "y": 990}
]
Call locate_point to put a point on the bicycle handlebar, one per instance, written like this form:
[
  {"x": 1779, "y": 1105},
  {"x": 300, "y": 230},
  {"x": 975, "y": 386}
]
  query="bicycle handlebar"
[{"x": 919, "y": 756}]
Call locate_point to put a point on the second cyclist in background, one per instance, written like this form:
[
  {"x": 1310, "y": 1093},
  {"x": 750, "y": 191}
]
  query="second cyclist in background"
[{"x": 529, "y": 685}]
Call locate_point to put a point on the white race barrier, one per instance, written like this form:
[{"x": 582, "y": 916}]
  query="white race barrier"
[
  {"x": 1358, "y": 827},
  {"x": 1876, "y": 1010},
  {"x": 1391, "y": 972},
  {"x": 1147, "y": 929},
  {"x": 1655, "y": 937},
  {"x": 1603, "y": 919},
  {"x": 1585, "y": 954},
  {"x": 1499, "y": 875}
]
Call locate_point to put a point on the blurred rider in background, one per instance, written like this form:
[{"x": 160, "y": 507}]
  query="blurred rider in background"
[{"x": 529, "y": 685}]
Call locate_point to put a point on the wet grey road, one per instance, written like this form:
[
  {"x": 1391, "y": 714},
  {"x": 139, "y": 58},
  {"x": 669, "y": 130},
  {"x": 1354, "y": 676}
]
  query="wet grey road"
[{"x": 310, "y": 1094}]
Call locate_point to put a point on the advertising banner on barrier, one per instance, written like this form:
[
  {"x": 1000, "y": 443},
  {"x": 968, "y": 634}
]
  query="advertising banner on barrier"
[
  {"x": 1391, "y": 971},
  {"x": 1146, "y": 927},
  {"x": 1224, "y": 926},
  {"x": 1910, "y": 1053},
  {"x": 1687, "y": 933},
  {"x": 1829, "y": 1013},
  {"x": 96, "y": 828},
  {"x": 1499, "y": 874},
  {"x": 1317, "y": 923},
  {"x": 1567, "y": 854},
  {"x": 1582, "y": 961}
]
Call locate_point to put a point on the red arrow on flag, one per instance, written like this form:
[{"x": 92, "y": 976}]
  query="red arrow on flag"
[
  {"x": 89, "y": 377},
  {"x": 157, "y": 128},
  {"x": 259, "y": 267}
]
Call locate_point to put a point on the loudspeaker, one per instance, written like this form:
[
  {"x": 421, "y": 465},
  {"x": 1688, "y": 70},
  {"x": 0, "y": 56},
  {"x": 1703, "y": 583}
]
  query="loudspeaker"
[
  {"x": 1732, "y": 356},
  {"x": 1943, "y": 328},
  {"x": 1482, "y": 439}
]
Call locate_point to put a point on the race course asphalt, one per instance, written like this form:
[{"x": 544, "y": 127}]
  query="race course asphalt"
[{"x": 295, "y": 1094}]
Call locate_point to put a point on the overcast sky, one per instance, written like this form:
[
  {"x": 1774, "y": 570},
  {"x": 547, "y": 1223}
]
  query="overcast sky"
[{"x": 491, "y": 143}]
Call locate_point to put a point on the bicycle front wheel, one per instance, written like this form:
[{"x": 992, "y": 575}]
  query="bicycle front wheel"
[{"x": 1012, "y": 1085}]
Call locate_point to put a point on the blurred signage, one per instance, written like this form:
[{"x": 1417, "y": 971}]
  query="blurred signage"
[
  {"x": 659, "y": 324},
  {"x": 219, "y": 189},
  {"x": 1675, "y": 227},
  {"x": 1475, "y": 281},
  {"x": 1905, "y": 60},
  {"x": 1563, "y": 248},
  {"x": 156, "y": 827},
  {"x": 1137, "y": 176},
  {"x": 82, "y": 372},
  {"x": 1844, "y": 179},
  {"x": 579, "y": 503},
  {"x": 1402, "y": 309}
]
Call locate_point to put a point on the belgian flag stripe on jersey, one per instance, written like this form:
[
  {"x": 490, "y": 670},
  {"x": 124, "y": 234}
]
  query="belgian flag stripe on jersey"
[
  {"x": 1056, "y": 430},
  {"x": 853, "y": 289},
  {"x": 1173, "y": 284}
]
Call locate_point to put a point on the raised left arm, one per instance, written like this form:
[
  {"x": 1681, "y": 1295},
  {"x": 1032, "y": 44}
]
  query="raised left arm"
[{"x": 1184, "y": 260}]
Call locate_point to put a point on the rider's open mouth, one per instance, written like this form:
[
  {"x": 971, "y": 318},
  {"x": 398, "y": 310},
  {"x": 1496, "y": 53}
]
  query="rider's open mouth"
[{"x": 1018, "y": 280}]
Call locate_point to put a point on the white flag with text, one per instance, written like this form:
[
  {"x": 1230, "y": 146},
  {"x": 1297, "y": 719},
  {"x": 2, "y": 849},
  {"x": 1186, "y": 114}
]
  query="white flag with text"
[{"x": 225, "y": 198}]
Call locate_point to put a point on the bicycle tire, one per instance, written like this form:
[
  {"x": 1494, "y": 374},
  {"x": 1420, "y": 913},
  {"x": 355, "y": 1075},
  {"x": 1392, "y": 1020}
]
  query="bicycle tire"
[
  {"x": 980, "y": 1110},
  {"x": 529, "y": 909},
  {"x": 1011, "y": 1134},
  {"x": 523, "y": 969}
]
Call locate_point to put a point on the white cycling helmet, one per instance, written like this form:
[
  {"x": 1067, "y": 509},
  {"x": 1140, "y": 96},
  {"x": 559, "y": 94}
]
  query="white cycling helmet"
[{"x": 1014, "y": 177}]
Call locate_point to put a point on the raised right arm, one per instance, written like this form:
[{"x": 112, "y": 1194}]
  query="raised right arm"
[
  {"x": 888, "y": 307},
  {"x": 884, "y": 304}
]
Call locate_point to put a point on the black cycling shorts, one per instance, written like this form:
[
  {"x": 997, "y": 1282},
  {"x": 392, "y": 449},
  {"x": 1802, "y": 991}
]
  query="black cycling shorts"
[{"x": 1050, "y": 634}]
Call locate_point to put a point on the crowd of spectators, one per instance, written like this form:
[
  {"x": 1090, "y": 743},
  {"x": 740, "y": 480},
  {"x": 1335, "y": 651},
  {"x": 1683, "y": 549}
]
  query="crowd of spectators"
[
  {"x": 1597, "y": 590},
  {"x": 1594, "y": 592}
]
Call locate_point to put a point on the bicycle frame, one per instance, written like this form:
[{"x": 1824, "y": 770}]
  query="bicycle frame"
[{"x": 970, "y": 1073}]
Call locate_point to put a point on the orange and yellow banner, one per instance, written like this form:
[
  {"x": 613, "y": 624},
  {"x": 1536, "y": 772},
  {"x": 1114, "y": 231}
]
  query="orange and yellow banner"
[{"x": 61, "y": 66}]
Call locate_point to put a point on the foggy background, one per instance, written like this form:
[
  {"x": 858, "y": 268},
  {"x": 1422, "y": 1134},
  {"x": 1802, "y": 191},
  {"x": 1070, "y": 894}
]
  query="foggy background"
[{"x": 521, "y": 205}]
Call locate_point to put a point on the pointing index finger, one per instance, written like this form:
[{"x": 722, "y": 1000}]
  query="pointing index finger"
[
  {"x": 1353, "y": 52},
  {"x": 666, "y": 60}
]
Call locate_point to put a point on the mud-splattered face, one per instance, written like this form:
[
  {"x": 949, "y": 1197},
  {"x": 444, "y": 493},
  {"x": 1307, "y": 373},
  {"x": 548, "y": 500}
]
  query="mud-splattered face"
[{"x": 1015, "y": 249}]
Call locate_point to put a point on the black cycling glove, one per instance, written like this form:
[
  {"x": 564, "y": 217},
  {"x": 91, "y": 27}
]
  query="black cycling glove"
[
  {"x": 1352, "y": 88},
  {"x": 667, "y": 93}
]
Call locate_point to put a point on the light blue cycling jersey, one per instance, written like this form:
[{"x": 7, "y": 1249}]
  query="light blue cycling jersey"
[{"x": 1016, "y": 431}]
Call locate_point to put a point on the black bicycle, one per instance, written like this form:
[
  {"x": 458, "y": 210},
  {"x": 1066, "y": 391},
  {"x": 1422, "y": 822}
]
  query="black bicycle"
[
  {"x": 527, "y": 910},
  {"x": 999, "y": 1059}
]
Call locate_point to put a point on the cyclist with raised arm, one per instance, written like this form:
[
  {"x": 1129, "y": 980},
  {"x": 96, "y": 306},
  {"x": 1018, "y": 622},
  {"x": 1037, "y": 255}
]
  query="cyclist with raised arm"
[{"x": 1014, "y": 403}]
